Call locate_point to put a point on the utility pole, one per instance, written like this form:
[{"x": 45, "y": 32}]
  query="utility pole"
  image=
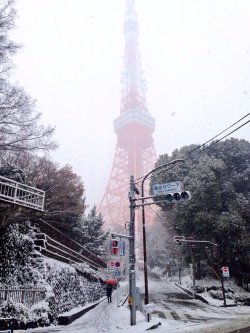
[
  {"x": 143, "y": 204},
  {"x": 193, "y": 271},
  {"x": 132, "y": 252}
]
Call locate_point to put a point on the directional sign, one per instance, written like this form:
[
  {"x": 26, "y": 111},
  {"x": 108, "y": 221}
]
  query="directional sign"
[{"x": 159, "y": 189}]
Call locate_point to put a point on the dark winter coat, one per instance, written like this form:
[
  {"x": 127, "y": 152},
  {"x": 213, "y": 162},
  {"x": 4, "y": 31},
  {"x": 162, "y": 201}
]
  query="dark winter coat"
[{"x": 109, "y": 289}]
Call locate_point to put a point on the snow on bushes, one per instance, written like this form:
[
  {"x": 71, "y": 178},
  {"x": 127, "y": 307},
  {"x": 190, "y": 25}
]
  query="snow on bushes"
[
  {"x": 16, "y": 250},
  {"x": 67, "y": 286}
]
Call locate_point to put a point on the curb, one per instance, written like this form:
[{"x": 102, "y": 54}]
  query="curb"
[
  {"x": 191, "y": 294},
  {"x": 66, "y": 320}
]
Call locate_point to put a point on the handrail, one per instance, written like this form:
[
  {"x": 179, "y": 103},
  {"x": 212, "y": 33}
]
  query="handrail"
[{"x": 21, "y": 194}]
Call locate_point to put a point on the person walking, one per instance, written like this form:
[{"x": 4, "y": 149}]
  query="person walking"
[{"x": 109, "y": 292}]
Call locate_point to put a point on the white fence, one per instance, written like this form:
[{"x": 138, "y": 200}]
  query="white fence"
[{"x": 21, "y": 194}]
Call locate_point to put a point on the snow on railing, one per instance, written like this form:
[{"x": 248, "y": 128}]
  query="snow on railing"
[
  {"x": 25, "y": 295},
  {"x": 21, "y": 194}
]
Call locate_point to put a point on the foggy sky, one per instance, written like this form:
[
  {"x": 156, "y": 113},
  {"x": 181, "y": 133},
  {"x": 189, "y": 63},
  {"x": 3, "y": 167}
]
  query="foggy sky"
[{"x": 196, "y": 58}]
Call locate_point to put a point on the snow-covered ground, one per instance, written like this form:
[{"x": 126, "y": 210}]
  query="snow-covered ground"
[{"x": 109, "y": 318}]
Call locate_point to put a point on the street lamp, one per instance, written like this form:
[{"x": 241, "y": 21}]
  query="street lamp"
[{"x": 144, "y": 230}]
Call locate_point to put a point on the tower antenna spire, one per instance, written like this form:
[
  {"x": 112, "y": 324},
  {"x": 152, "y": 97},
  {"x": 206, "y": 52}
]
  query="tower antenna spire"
[{"x": 135, "y": 153}]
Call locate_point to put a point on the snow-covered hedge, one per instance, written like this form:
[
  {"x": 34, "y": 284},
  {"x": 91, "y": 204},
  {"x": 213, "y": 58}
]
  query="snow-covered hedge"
[{"x": 67, "y": 286}]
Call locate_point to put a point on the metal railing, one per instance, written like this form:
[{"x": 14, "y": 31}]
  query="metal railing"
[
  {"x": 21, "y": 194},
  {"x": 25, "y": 295}
]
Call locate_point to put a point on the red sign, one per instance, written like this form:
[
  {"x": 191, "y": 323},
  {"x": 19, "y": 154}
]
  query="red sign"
[
  {"x": 113, "y": 264},
  {"x": 225, "y": 271}
]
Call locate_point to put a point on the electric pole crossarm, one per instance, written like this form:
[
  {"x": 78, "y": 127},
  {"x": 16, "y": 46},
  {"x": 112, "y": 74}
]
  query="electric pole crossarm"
[
  {"x": 144, "y": 198},
  {"x": 197, "y": 241},
  {"x": 113, "y": 235}
]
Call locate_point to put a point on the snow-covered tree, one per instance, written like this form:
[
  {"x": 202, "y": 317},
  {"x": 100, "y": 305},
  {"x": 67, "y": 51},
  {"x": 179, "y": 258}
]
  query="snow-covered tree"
[
  {"x": 13, "y": 173},
  {"x": 92, "y": 236},
  {"x": 219, "y": 211}
]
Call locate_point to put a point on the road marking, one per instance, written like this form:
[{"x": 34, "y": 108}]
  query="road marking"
[{"x": 173, "y": 315}]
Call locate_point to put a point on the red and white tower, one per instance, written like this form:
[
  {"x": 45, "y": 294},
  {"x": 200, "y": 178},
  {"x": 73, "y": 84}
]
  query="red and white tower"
[{"x": 135, "y": 153}]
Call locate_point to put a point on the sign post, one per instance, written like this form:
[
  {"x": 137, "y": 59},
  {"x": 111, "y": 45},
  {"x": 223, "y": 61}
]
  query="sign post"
[{"x": 224, "y": 273}]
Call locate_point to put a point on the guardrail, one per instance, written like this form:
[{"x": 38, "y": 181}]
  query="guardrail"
[{"x": 21, "y": 194}]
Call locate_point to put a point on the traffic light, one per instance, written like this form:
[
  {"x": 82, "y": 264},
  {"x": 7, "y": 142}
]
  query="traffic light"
[
  {"x": 176, "y": 196},
  {"x": 114, "y": 249}
]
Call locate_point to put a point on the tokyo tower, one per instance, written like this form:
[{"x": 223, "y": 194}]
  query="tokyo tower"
[{"x": 135, "y": 153}]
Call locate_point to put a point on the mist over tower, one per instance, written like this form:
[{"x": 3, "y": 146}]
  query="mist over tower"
[{"x": 135, "y": 153}]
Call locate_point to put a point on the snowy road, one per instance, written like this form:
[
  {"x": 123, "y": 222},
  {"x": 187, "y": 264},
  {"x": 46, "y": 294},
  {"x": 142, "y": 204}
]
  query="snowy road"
[
  {"x": 173, "y": 303},
  {"x": 177, "y": 312}
]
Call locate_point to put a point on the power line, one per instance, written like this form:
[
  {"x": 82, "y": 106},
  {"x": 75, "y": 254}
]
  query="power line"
[
  {"x": 207, "y": 147},
  {"x": 212, "y": 144},
  {"x": 223, "y": 132}
]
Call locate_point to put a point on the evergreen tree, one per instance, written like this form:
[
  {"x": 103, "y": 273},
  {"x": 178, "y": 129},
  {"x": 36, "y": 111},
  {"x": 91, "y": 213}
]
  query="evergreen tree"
[
  {"x": 92, "y": 236},
  {"x": 218, "y": 179}
]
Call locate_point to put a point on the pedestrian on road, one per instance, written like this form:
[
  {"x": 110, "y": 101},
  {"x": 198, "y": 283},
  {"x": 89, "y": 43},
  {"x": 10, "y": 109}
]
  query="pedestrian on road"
[{"x": 109, "y": 292}]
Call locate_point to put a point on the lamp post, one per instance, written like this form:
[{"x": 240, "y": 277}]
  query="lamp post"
[{"x": 144, "y": 230}]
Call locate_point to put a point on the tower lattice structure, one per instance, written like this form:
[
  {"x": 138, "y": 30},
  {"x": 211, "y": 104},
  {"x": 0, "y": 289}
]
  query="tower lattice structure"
[{"x": 135, "y": 153}]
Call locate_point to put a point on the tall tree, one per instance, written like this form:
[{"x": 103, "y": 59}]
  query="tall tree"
[
  {"x": 19, "y": 121},
  {"x": 7, "y": 47},
  {"x": 219, "y": 209},
  {"x": 64, "y": 198},
  {"x": 92, "y": 235},
  {"x": 64, "y": 190}
]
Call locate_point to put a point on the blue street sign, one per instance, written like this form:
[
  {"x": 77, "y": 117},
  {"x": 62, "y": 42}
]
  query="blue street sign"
[
  {"x": 116, "y": 273},
  {"x": 122, "y": 248}
]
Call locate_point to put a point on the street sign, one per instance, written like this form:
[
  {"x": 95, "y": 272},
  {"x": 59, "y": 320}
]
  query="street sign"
[
  {"x": 113, "y": 265},
  {"x": 117, "y": 273},
  {"x": 225, "y": 271},
  {"x": 149, "y": 308},
  {"x": 159, "y": 189},
  {"x": 122, "y": 248}
]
